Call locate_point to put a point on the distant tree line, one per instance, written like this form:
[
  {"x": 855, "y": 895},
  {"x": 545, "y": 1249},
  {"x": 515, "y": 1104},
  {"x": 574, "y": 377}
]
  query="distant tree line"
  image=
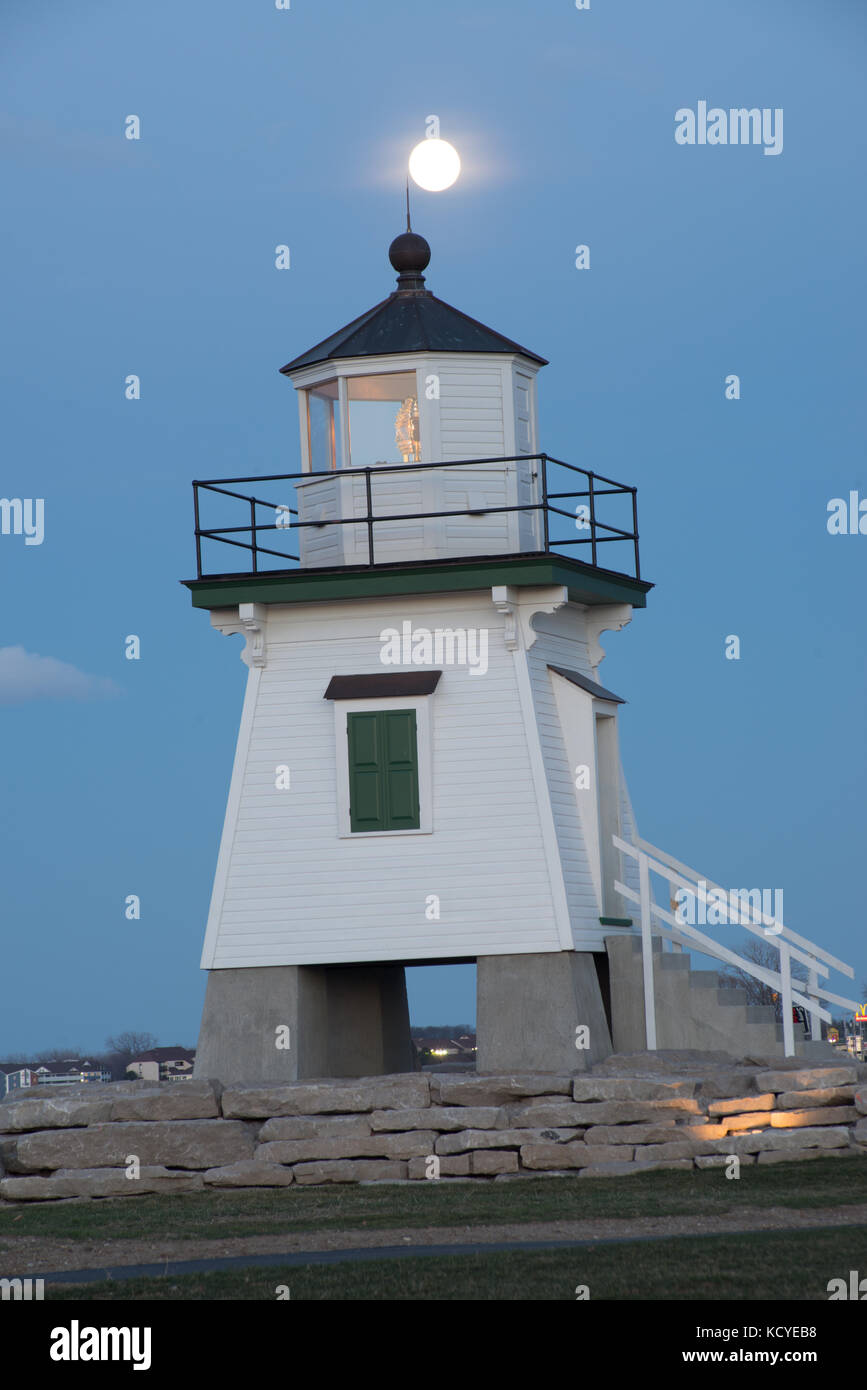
[{"x": 442, "y": 1030}]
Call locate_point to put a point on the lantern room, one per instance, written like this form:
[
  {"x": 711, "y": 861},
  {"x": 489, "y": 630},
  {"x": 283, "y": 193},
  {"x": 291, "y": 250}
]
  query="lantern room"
[{"x": 415, "y": 382}]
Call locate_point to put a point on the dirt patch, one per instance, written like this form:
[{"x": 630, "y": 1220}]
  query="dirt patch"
[{"x": 25, "y": 1255}]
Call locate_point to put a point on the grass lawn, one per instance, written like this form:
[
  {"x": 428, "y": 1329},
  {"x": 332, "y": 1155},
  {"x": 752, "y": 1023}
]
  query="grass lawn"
[
  {"x": 821, "y": 1182},
  {"x": 766, "y": 1266}
]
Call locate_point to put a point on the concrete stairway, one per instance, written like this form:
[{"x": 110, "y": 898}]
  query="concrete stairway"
[{"x": 692, "y": 1011}]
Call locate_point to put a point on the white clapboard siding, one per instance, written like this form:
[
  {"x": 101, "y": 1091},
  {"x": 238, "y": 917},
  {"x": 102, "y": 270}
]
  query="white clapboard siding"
[
  {"x": 629, "y": 832},
  {"x": 293, "y": 892},
  {"x": 567, "y": 648},
  {"x": 471, "y": 414}
]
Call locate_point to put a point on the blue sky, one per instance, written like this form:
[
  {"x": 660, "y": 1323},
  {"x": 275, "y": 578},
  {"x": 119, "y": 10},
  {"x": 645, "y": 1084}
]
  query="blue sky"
[{"x": 156, "y": 257}]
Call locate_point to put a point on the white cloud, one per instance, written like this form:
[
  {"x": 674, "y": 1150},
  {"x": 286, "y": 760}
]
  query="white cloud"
[{"x": 26, "y": 676}]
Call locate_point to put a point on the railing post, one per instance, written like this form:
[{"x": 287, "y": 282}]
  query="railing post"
[
  {"x": 788, "y": 1022},
  {"x": 635, "y": 531},
  {"x": 592, "y": 520},
  {"x": 369, "y": 516},
  {"x": 544, "y": 461},
  {"x": 647, "y": 953},
  {"x": 253, "y": 532},
  {"x": 198, "y": 537},
  {"x": 812, "y": 986}
]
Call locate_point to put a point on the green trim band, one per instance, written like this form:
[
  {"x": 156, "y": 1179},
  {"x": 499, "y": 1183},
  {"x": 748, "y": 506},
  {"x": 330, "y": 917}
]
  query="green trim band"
[{"x": 585, "y": 583}]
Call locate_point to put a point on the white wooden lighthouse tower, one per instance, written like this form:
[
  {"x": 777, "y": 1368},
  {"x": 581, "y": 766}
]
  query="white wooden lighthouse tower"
[{"x": 427, "y": 767}]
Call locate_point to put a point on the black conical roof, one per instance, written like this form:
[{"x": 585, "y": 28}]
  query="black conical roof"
[{"x": 411, "y": 319}]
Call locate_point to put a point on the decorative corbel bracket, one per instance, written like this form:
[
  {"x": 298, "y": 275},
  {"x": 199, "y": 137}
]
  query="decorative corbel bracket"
[
  {"x": 608, "y": 617},
  {"x": 519, "y": 607},
  {"x": 250, "y": 619},
  {"x": 505, "y": 601}
]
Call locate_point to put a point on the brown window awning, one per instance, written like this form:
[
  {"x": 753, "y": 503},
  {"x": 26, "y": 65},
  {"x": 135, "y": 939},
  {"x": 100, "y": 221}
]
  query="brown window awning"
[
  {"x": 587, "y": 684},
  {"x": 382, "y": 686}
]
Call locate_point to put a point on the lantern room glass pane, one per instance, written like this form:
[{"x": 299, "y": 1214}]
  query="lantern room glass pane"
[
  {"x": 383, "y": 419},
  {"x": 322, "y": 425}
]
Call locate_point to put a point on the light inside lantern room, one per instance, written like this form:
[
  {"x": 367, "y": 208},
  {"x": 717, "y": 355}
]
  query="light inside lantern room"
[{"x": 382, "y": 421}]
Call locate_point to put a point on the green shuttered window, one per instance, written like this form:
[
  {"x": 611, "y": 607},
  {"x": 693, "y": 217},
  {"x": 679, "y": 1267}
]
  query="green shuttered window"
[{"x": 383, "y": 770}]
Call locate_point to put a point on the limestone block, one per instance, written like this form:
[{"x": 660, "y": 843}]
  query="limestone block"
[
  {"x": 351, "y": 1170},
  {"x": 727, "y": 1085},
  {"x": 571, "y": 1155},
  {"x": 174, "y": 1143},
  {"x": 174, "y": 1100},
  {"x": 801, "y": 1155},
  {"x": 440, "y": 1117},
  {"x": 325, "y": 1097},
  {"x": 613, "y": 1170},
  {"x": 829, "y": 1095},
  {"x": 413, "y": 1145},
  {"x": 54, "y": 1112},
  {"x": 814, "y": 1078},
  {"x": 630, "y": 1088},
  {"x": 829, "y": 1138},
  {"x": 822, "y": 1115},
  {"x": 488, "y": 1162},
  {"x": 760, "y": 1119},
  {"x": 500, "y": 1139},
  {"x": 677, "y": 1105},
  {"x": 635, "y": 1134},
  {"x": 458, "y": 1166},
  {"x": 859, "y": 1133},
  {"x": 97, "y": 1182},
  {"x": 694, "y": 1131},
  {"x": 622, "y": 1112},
  {"x": 683, "y": 1148},
  {"x": 551, "y": 1114},
  {"x": 319, "y": 1126},
  {"x": 741, "y": 1105},
  {"x": 455, "y": 1089},
  {"x": 720, "y": 1160},
  {"x": 249, "y": 1173},
  {"x": 861, "y": 1100}
]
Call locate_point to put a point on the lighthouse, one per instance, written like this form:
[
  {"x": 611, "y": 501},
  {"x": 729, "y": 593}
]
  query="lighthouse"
[{"x": 427, "y": 768}]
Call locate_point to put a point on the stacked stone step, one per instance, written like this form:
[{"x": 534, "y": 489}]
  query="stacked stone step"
[{"x": 138, "y": 1137}]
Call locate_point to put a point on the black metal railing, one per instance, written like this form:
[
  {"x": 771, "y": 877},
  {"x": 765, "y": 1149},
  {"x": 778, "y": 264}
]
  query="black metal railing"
[{"x": 583, "y": 516}]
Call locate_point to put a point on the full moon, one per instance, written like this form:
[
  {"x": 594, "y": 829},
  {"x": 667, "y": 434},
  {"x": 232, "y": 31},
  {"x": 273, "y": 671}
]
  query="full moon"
[{"x": 434, "y": 165}]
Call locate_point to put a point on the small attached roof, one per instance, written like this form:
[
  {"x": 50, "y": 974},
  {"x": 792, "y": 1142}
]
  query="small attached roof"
[
  {"x": 411, "y": 319},
  {"x": 382, "y": 686},
  {"x": 586, "y": 684}
]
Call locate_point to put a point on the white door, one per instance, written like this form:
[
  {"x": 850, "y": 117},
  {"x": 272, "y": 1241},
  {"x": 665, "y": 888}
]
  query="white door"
[{"x": 528, "y": 474}]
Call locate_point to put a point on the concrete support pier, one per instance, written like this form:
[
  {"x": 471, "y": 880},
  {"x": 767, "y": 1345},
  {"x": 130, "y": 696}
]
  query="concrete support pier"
[
  {"x": 347, "y": 1020},
  {"x": 529, "y": 1008}
]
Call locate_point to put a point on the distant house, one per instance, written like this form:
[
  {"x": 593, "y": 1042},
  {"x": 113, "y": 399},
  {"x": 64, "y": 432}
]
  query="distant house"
[
  {"x": 164, "y": 1064},
  {"x": 463, "y": 1048},
  {"x": 69, "y": 1071},
  {"x": 14, "y": 1076}
]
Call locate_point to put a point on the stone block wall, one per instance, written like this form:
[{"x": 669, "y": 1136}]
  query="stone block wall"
[{"x": 627, "y": 1116}]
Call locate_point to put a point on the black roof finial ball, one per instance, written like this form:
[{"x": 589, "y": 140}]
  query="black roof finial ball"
[{"x": 409, "y": 253}]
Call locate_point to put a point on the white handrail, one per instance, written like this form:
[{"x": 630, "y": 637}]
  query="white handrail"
[
  {"x": 653, "y": 860},
  {"x": 690, "y": 936},
  {"x": 790, "y": 935}
]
